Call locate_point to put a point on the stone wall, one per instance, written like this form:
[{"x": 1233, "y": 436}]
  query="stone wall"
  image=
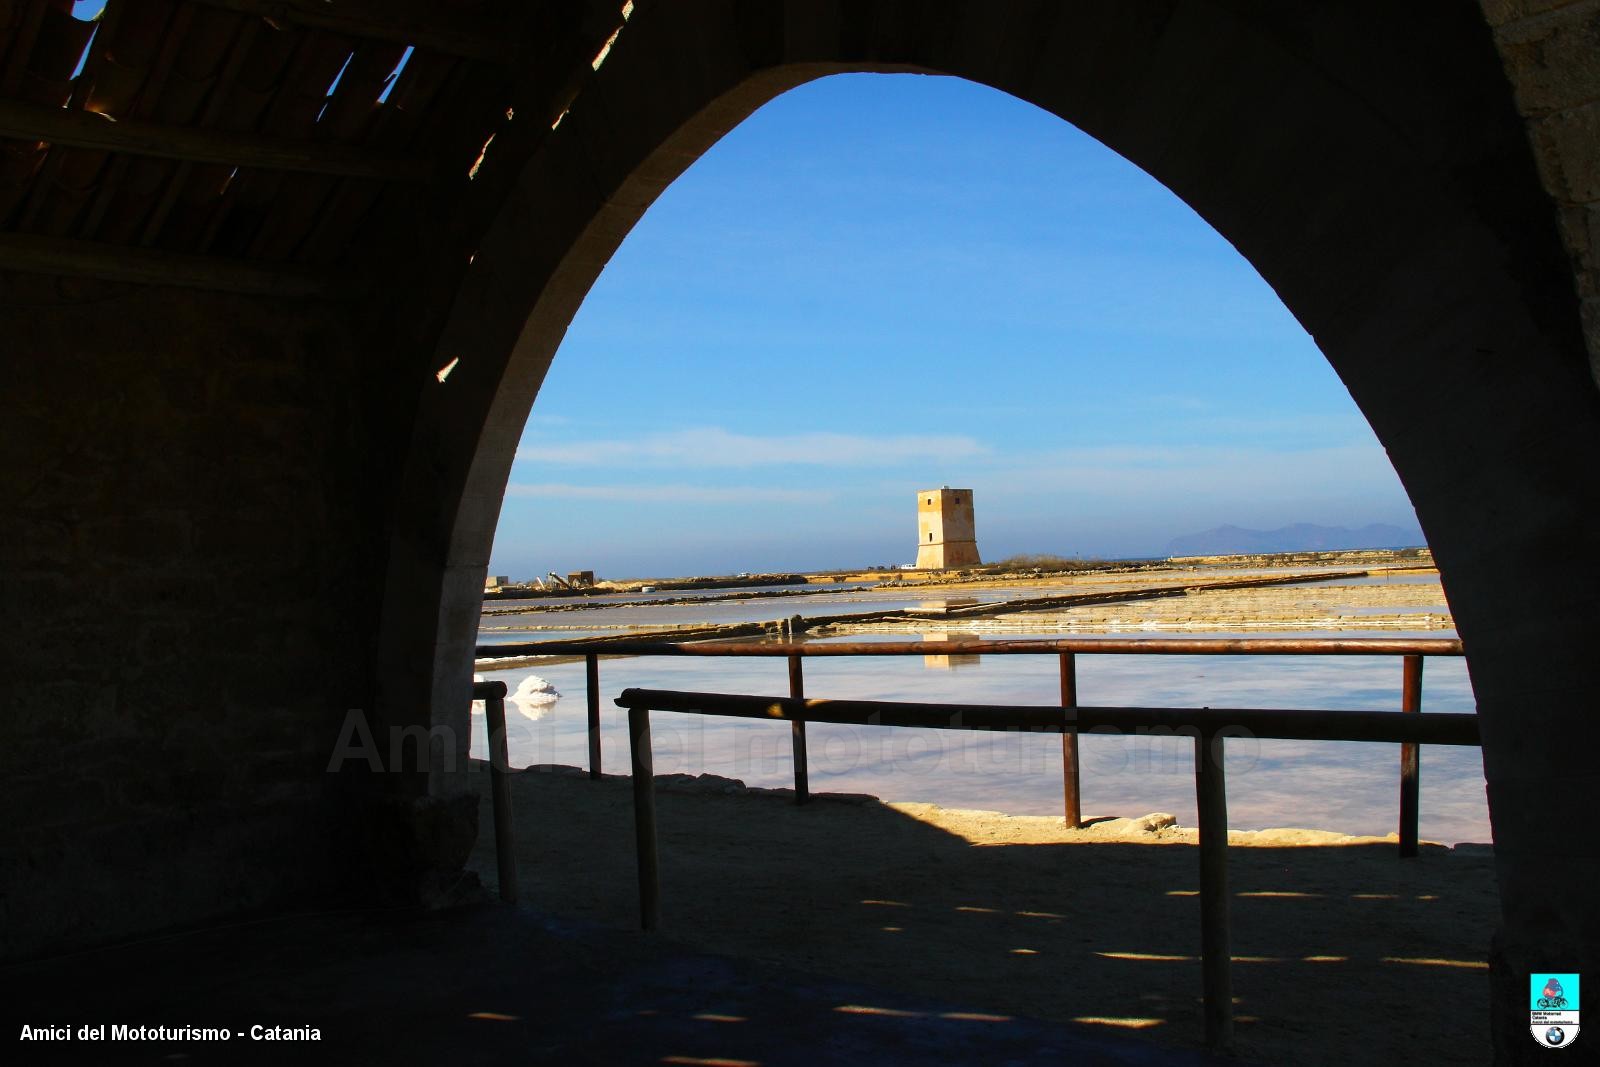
[
  {"x": 191, "y": 553},
  {"x": 1551, "y": 53},
  {"x": 207, "y": 536},
  {"x": 1369, "y": 160}
]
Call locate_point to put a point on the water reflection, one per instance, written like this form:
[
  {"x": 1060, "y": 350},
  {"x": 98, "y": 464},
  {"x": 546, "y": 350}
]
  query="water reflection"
[
  {"x": 1346, "y": 787},
  {"x": 946, "y": 603},
  {"x": 1343, "y": 786},
  {"x": 947, "y": 662},
  {"x": 533, "y": 698}
]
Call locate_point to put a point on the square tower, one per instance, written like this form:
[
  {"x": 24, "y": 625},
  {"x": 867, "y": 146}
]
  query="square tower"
[{"x": 945, "y": 532}]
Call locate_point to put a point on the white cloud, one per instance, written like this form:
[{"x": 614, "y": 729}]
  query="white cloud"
[
  {"x": 693, "y": 494},
  {"x": 1324, "y": 426},
  {"x": 1149, "y": 477},
  {"x": 712, "y": 446}
]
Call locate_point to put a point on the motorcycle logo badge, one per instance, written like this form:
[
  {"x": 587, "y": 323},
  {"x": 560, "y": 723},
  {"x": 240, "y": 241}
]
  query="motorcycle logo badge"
[{"x": 1553, "y": 1009}]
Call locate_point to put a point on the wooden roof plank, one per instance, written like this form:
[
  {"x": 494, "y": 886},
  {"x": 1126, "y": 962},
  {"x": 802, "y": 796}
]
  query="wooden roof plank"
[
  {"x": 410, "y": 104},
  {"x": 319, "y": 60},
  {"x": 23, "y": 31},
  {"x": 127, "y": 53},
  {"x": 197, "y": 69},
  {"x": 403, "y": 22},
  {"x": 350, "y": 115},
  {"x": 46, "y": 74},
  {"x": 34, "y": 254},
  {"x": 269, "y": 53},
  {"x": 19, "y": 162},
  {"x": 290, "y": 216},
  {"x": 353, "y": 107},
  {"x": 227, "y": 73},
  {"x": 29, "y": 122},
  {"x": 133, "y": 186},
  {"x": 341, "y": 219},
  {"x": 56, "y": 199},
  {"x": 415, "y": 93},
  {"x": 200, "y": 195},
  {"x": 255, "y": 195},
  {"x": 14, "y": 18}
]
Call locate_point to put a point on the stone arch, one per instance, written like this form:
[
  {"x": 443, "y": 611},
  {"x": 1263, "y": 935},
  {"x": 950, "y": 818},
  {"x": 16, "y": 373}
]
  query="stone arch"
[{"x": 1376, "y": 174}]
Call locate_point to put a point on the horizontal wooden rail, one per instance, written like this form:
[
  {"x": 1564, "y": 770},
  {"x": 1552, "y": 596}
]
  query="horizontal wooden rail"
[
  {"x": 1114, "y": 646},
  {"x": 1287, "y": 724},
  {"x": 1066, "y": 649},
  {"x": 1209, "y": 727}
]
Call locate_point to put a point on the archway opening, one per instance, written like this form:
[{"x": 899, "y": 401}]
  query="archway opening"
[
  {"x": 879, "y": 283},
  {"x": 1385, "y": 188},
  {"x": 1084, "y": 351}
]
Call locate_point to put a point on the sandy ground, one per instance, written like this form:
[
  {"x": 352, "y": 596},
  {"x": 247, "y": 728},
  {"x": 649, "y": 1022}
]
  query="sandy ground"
[{"x": 1342, "y": 951}]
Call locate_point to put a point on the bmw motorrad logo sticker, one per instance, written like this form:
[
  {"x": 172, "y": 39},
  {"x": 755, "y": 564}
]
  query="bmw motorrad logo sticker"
[{"x": 1553, "y": 1009}]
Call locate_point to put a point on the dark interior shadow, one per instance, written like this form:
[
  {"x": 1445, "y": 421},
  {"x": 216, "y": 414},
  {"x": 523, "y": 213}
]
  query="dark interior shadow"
[{"x": 1338, "y": 950}]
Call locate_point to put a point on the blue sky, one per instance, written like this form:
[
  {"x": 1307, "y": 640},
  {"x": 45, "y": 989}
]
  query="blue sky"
[{"x": 884, "y": 283}]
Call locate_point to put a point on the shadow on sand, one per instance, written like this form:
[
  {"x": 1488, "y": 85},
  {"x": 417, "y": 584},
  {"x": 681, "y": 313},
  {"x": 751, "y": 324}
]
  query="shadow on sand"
[{"x": 1339, "y": 951}]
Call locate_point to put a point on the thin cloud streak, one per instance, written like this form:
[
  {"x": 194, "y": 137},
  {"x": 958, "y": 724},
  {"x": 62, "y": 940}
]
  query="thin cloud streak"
[
  {"x": 714, "y": 447},
  {"x": 1150, "y": 474},
  {"x": 682, "y": 494}
]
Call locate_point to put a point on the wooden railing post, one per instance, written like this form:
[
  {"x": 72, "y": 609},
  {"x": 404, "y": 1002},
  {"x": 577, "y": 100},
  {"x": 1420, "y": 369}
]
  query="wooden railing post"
[
  {"x": 1211, "y": 793},
  {"x": 591, "y": 666},
  {"x": 1410, "y": 759},
  {"x": 493, "y": 695},
  {"x": 644, "y": 817},
  {"x": 797, "y": 733},
  {"x": 1211, "y": 726},
  {"x": 1069, "y": 744}
]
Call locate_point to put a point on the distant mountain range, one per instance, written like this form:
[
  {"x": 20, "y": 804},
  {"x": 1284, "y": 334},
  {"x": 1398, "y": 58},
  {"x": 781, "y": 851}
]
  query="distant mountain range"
[{"x": 1301, "y": 537}]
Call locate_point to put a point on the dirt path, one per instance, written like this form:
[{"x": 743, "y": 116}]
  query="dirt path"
[{"x": 1342, "y": 952}]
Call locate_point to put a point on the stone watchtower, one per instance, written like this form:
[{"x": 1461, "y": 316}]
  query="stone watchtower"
[{"x": 945, "y": 536}]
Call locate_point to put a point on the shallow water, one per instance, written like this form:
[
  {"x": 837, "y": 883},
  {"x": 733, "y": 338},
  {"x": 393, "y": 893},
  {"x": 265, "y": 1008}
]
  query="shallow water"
[
  {"x": 1344, "y": 786},
  {"x": 628, "y": 610},
  {"x": 759, "y": 609}
]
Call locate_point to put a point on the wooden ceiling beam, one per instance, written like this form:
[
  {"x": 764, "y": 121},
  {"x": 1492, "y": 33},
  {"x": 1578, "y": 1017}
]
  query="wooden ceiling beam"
[
  {"x": 69, "y": 257},
  {"x": 80, "y": 129},
  {"x": 417, "y": 23}
]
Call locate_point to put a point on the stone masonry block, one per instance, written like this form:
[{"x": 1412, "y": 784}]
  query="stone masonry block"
[
  {"x": 1591, "y": 334},
  {"x": 1553, "y": 61},
  {"x": 1503, "y": 12},
  {"x": 152, "y": 536},
  {"x": 1580, "y": 227},
  {"x": 1567, "y": 144}
]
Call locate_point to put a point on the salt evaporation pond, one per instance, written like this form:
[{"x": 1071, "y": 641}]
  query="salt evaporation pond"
[{"x": 1344, "y": 786}]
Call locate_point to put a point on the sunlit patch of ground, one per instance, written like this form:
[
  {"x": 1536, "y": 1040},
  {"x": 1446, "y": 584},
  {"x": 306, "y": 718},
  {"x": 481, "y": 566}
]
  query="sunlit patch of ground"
[{"x": 1341, "y": 951}]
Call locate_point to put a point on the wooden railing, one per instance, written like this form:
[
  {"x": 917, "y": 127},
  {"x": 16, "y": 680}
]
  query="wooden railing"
[
  {"x": 1210, "y": 727},
  {"x": 1412, "y": 651},
  {"x": 493, "y": 695}
]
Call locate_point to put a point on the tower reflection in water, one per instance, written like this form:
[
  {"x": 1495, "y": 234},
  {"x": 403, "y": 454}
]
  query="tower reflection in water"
[{"x": 949, "y": 662}]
